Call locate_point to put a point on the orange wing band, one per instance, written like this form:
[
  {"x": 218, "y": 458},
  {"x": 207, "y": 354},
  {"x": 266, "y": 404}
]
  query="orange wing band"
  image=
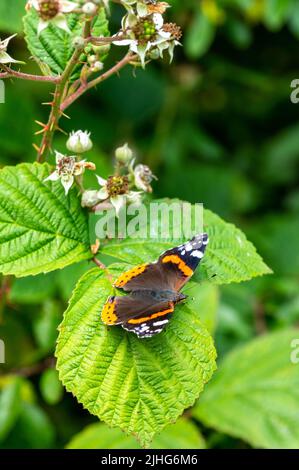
[
  {"x": 128, "y": 275},
  {"x": 181, "y": 264},
  {"x": 151, "y": 317},
  {"x": 108, "y": 313}
]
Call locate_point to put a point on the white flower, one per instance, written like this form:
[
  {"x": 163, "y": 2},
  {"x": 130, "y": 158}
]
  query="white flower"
[
  {"x": 66, "y": 170},
  {"x": 147, "y": 34},
  {"x": 79, "y": 142},
  {"x": 116, "y": 190},
  {"x": 143, "y": 177},
  {"x": 52, "y": 11},
  {"x": 5, "y": 58}
]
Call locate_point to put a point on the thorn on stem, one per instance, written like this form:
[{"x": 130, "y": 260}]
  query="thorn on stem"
[
  {"x": 42, "y": 131},
  {"x": 36, "y": 147},
  {"x": 41, "y": 124}
]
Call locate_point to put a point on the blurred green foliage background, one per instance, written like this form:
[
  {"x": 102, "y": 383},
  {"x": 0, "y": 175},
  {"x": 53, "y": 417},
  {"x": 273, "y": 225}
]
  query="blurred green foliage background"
[{"x": 217, "y": 126}]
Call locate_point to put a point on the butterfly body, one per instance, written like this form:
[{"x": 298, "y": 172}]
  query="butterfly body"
[{"x": 154, "y": 289}]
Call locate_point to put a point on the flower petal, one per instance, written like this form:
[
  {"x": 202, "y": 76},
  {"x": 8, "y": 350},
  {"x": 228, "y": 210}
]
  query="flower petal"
[
  {"x": 103, "y": 194},
  {"x": 158, "y": 20},
  {"x": 164, "y": 34},
  {"x": 58, "y": 156},
  {"x": 135, "y": 197},
  {"x": 60, "y": 22},
  {"x": 41, "y": 26},
  {"x": 101, "y": 181},
  {"x": 53, "y": 176},
  {"x": 67, "y": 6},
  {"x": 141, "y": 50},
  {"x": 67, "y": 182},
  {"x": 4, "y": 43},
  {"x": 7, "y": 59},
  {"x": 118, "y": 202},
  {"x": 141, "y": 9},
  {"x": 123, "y": 42}
]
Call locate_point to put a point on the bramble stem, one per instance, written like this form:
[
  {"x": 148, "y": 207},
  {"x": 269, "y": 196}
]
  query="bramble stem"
[
  {"x": 98, "y": 263},
  {"x": 51, "y": 126},
  {"x": 55, "y": 113},
  {"x": 102, "y": 266},
  {"x": 27, "y": 76},
  {"x": 105, "y": 39}
]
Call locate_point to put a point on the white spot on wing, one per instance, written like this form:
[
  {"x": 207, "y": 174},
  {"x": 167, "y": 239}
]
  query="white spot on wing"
[
  {"x": 159, "y": 323},
  {"x": 197, "y": 254}
]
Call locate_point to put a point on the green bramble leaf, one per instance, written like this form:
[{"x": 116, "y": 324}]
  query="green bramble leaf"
[
  {"x": 137, "y": 385},
  {"x": 32, "y": 290},
  {"x": 45, "y": 325},
  {"x": 53, "y": 48},
  {"x": 199, "y": 36},
  {"x": 207, "y": 297},
  {"x": 255, "y": 393},
  {"x": 181, "y": 435},
  {"x": 33, "y": 429},
  {"x": 40, "y": 228},
  {"x": 229, "y": 257},
  {"x": 9, "y": 406},
  {"x": 50, "y": 387},
  {"x": 276, "y": 13}
]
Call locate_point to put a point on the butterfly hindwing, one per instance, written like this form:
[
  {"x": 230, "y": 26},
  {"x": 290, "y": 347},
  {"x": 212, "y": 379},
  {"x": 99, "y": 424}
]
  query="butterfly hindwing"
[
  {"x": 151, "y": 323},
  {"x": 121, "y": 309}
]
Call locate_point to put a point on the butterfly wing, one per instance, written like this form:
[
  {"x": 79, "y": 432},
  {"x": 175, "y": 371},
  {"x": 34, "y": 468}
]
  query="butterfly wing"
[
  {"x": 143, "y": 277},
  {"x": 178, "y": 264},
  {"x": 173, "y": 269},
  {"x": 152, "y": 323},
  {"x": 140, "y": 314},
  {"x": 120, "y": 309}
]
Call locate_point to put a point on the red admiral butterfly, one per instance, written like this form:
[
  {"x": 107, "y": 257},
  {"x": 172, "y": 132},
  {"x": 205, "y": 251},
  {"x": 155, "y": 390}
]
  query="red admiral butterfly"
[{"x": 154, "y": 289}]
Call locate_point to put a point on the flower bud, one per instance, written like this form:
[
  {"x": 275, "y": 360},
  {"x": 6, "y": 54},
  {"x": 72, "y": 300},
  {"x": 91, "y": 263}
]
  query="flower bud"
[
  {"x": 88, "y": 48},
  {"x": 79, "y": 142},
  {"x": 78, "y": 42},
  {"x": 102, "y": 49},
  {"x": 123, "y": 154},
  {"x": 97, "y": 66},
  {"x": 89, "y": 9},
  {"x": 154, "y": 54},
  {"x": 92, "y": 59}
]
